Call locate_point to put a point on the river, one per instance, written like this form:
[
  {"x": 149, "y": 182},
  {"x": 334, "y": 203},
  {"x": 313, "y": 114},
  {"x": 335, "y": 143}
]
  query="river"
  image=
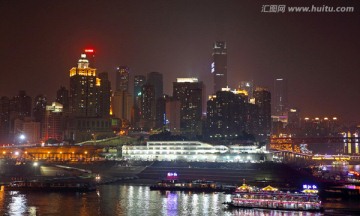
[{"x": 138, "y": 200}]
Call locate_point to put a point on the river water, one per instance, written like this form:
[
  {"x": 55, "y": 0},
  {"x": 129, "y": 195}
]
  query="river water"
[{"x": 138, "y": 200}]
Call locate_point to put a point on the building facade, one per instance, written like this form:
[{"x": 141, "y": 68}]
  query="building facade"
[
  {"x": 219, "y": 65},
  {"x": 189, "y": 91},
  {"x": 122, "y": 78},
  {"x": 83, "y": 91}
]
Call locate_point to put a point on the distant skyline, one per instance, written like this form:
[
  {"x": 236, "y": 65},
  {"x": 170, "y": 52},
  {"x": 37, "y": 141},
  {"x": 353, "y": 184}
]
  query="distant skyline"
[{"x": 318, "y": 53}]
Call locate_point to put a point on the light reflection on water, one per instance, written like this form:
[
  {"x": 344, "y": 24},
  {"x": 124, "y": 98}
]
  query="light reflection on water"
[{"x": 127, "y": 199}]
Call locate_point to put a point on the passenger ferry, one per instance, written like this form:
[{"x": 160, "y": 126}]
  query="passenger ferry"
[{"x": 269, "y": 197}]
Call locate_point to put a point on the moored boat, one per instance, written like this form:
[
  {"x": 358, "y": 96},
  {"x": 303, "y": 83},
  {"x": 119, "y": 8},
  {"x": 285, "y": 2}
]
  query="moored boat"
[
  {"x": 172, "y": 183},
  {"x": 53, "y": 185},
  {"x": 269, "y": 197}
]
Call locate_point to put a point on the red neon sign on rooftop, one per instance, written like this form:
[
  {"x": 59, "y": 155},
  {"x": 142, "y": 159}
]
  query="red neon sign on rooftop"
[{"x": 89, "y": 50}]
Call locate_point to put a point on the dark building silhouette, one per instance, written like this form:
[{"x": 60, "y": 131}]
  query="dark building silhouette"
[
  {"x": 122, "y": 78},
  {"x": 226, "y": 113},
  {"x": 22, "y": 105},
  {"x": 219, "y": 65},
  {"x": 263, "y": 102},
  {"x": 156, "y": 80},
  {"x": 39, "y": 109},
  {"x": 5, "y": 119},
  {"x": 62, "y": 97},
  {"x": 189, "y": 91},
  {"x": 139, "y": 81},
  {"x": 147, "y": 107},
  {"x": 280, "y": 97},
  {"x": 104, "y": 95}
]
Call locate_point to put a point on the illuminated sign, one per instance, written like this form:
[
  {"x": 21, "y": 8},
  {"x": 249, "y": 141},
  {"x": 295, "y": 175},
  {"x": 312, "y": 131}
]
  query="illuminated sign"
[
  {"x": 213, "y": 67},
  {"x": 89, "y": 50},
  {"x": 170, "y": 174},
  {"x": 314, "y": 187}
]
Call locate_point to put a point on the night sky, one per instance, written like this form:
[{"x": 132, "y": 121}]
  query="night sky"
[{"x": 317, "y": 52}]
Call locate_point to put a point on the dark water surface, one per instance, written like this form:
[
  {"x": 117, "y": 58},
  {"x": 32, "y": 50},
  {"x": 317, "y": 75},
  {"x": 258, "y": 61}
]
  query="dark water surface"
[{"x": 138, "y": 200}]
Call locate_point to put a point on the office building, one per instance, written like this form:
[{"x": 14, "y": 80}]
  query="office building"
[
  {"x": 104, "y": 95},
  {"x": 83, "y": 91},
  {"x": 156, "y": 80},
  {"x": 263, "y": 102},
  {"x": 189, "y": 91},
  {"x": 280, "y": 97},
  {"x": 219, "y": 65},
  {"x": 62, "y": 97},
  {"x": 122, "y": 78}
]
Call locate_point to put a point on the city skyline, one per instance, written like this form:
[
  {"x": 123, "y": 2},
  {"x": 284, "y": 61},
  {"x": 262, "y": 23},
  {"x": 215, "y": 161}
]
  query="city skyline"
[{"x": 176, "y": 39}]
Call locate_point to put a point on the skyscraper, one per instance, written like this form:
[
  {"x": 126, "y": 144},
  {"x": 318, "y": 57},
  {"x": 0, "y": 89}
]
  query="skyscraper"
[
  {"x": 139, "y": 81},
  {"x": 104, "y": 95},
  {"x": 219, "y": 65},
  {"x": 226, "y": 114},
  {"x": 62, "y": 97},
  {"x": 21, "y": 105},
  {"x": 83, "y": 91},
  {"x": 189, "y": 91},
  {"x": 263, "y": 102},
  {"x": 280, "y": 98},
  {"x": 39, "y": 108},
  {"x": 156, "y": 80},
  {"x": 147, "y": 107},
  {"x": 122, "y": 78}
]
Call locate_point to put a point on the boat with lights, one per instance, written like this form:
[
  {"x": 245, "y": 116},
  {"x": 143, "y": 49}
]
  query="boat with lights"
[
  {"x": 269, "y": 197},
  {"x": 172, "y": 183}
]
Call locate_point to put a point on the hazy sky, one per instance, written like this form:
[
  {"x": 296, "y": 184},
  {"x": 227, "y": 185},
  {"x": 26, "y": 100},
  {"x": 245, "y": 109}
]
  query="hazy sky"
[{"x": 317, "y": 52}]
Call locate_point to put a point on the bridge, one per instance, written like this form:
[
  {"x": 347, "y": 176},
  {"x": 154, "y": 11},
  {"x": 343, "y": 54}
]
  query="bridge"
[{"x": 317, "y": 145}]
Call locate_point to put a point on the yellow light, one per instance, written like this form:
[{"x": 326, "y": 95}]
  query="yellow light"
[{"x": 4, "y": 152}]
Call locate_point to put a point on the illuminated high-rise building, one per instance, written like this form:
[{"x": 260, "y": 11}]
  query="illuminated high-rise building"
[
  {"x": 189, "y": 91},
  {"x": 122, "y": 78},
  {"x": 83, "y": 91},
  {"x": 219, "y": 65},
  {"x": 280, "y": 97}
]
